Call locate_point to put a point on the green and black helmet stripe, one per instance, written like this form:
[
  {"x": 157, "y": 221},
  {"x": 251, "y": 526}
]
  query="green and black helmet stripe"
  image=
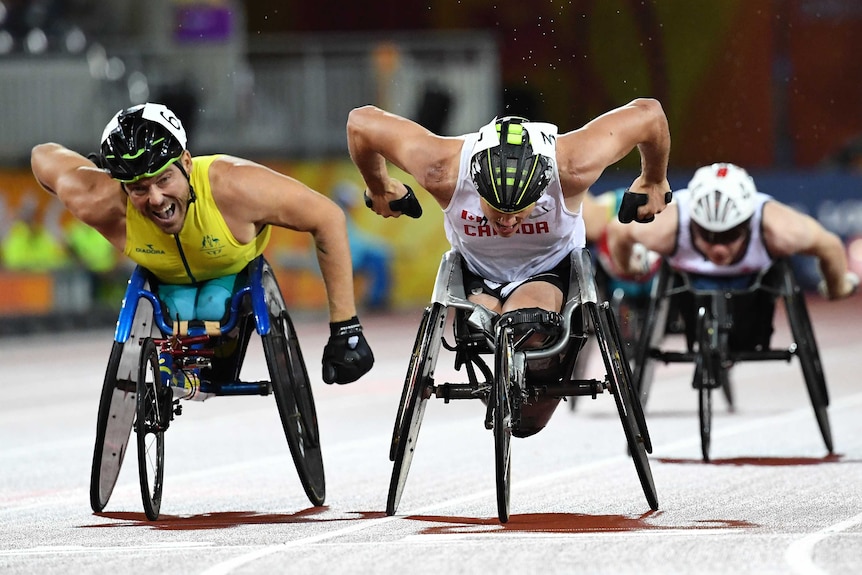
[
  {"x": 509, "y": 176},
  {"x": 142, "y": 142}
]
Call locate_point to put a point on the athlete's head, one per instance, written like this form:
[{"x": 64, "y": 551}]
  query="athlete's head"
[
  {"x": 144, "y": 148},
  {"x": 141, "y": 142},
  {"x": 509, "y": 175},
  {"x": 722, "y": 203},
  {"x": 722, "y": 197}
]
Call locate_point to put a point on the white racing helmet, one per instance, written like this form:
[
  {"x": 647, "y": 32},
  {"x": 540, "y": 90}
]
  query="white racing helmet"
[{"x": 722, "y": 197}]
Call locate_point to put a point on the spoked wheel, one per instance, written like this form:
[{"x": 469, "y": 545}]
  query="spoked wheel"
[
  {"x": 152, "y": 419},
  {"x": 809, "y": 359},
  {"x": 705, "y": 375},
  {"x": 652, "y": 332},
  {"x": 628, "y": 404},
  {"x": 417, "y": 389},
  {"x": 113, "y": 429},
  {"x": 505, "y": 385},
  {"x": 292, "y": 390}
]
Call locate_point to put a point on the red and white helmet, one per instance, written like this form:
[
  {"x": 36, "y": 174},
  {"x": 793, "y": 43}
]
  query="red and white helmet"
[{"x": 722, "y": 197}]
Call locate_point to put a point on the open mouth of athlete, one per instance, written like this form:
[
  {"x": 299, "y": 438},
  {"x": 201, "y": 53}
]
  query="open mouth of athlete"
[{"x": 166, "y": 213}]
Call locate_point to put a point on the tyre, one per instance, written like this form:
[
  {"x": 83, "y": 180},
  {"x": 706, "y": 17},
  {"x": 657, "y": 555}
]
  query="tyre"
[
  {"x": 417, "y": 389},
  {"x": 113, "y": 430},
  {"x": 652, "y": 331},
  {"x": 153, "y": 415},
  {"x": 506, "y": 383},
  {"x": 809, "y": 360},
  {"x": 630, "y": 412},
  {"x": 293, "y": 394}
]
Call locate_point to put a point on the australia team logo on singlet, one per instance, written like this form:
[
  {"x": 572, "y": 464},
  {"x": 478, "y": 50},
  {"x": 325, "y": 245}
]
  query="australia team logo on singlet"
[
  {"x": 478, "y": 226},
  {"x": 211, "y": 246}
]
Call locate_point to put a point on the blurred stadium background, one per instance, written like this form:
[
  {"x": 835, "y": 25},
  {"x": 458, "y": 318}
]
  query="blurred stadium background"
[{"x": 772, "y": 85}]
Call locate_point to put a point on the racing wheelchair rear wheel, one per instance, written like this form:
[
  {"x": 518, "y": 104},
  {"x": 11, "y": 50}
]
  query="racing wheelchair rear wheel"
[
  {"x": 417, "y": 389},
  {"x": 292, "y": 390},
  {"x": 153, "y": 415},
  {"x": 627, "y": 399},
  {"x": 809, "y": 359},
  {"x": 113, "y": 430}
]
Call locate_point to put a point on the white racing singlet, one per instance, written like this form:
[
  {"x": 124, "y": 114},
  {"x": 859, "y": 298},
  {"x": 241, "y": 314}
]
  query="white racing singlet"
[
  {"x": 547, "y": 236},
  {"x": 688, "y": 259}
]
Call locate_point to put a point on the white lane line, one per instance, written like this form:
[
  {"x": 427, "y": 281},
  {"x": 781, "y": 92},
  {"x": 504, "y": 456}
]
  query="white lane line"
[
  {"x": 800, "y": 554},
  {"x": 848, "y": 402},
  {"x": 240, "y": 560},
  {"x": 112, "y": 550}
]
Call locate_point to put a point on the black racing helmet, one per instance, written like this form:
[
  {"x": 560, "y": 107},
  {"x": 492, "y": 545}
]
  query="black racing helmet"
[
  {"x": 141, "y": 142},
  {"x": 508, "y": 175}
]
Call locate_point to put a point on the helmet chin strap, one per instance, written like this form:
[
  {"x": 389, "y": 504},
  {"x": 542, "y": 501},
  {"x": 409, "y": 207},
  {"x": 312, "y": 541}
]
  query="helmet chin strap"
[{"x": 192, "y": 195}]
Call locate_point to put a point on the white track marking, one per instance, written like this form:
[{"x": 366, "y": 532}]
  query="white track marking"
[{"x": 800, "y": 553}]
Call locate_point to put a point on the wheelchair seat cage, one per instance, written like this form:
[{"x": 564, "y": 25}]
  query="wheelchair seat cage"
[
  {"x": 520, "y": 378},
  {"x": 709, "y": 327}
]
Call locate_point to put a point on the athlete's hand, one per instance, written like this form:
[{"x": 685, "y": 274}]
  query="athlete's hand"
[
  {"x": 642, "y": 263},
  {"x": 642, "y": 201},
  {"x": 406, "y": 204},
  {"x": 850, "y": 285},
  {"x": 347, "y": 356}
]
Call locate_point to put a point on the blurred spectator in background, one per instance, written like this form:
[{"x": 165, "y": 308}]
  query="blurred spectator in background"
[
  {"x": 33, "y": 242},
  {"x": 99, "y": 259},
  {"x": 371, "y": 256}
]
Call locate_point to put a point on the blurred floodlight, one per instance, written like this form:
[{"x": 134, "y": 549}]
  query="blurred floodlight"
[
  {"x": 75, "y": 40},
  {"x": 139, "y": 88},
  {"x": 4, "y": 12},
  {"x": 115, "y": 68},
  {"x": 7, "y": 42},
  {"x": 97, "y": 60},
  {"x": 36, "y": 41}
]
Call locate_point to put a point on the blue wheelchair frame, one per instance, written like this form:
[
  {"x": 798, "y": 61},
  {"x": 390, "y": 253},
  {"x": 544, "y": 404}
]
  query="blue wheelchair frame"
[{"x": 135, "y": 396}]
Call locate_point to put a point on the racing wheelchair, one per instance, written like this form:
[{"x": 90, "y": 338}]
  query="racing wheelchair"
[
  {"x": 519, "y": 380},
  {"x": 137, "y": 394},
  {"x": 724, "y": 326}
]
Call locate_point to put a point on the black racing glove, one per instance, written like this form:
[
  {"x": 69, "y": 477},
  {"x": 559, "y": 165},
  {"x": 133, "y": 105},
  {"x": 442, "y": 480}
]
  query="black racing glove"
[
  {"x": 407, "y": 204},
  {"x": 631, "y": 202},
  {"x": 347, "y": 356}
]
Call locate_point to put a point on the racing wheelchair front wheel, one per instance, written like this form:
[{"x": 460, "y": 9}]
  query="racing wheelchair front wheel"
[
  {"x": 627, "y": 399},
  {"x": 414, "y": 397},
  {"x": 153, "y": 415},
  {"x": 293, "y": 395},
  {"x": 113, "y": 430},
  {"x": 505, "y": 386}
]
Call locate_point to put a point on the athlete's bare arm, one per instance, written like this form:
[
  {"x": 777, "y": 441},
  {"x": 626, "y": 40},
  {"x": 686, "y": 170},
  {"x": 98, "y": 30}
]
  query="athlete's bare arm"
[
  {"x": 375, "y": 137},
  {"x": 88, "y": 192},
  {"x": 787, "y": 232},
  {"x": 583, "y": 154},
  {"x": 658, "y": 236},
  {"x": 250, "y": 196}
]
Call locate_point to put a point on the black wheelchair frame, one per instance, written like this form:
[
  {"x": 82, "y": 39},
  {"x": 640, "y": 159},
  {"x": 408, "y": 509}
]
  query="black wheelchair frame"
[
  {"x": 478, "y": 332},
  {"x": 711, "y": 351},
  {"x": 135, "y": 395}
]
